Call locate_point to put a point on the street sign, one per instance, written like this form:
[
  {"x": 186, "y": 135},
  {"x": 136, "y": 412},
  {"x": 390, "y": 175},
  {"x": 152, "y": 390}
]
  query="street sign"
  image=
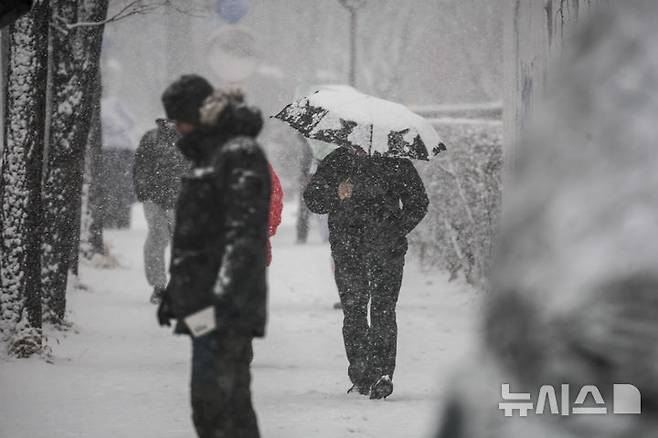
[{"x": 232, "y": 11}]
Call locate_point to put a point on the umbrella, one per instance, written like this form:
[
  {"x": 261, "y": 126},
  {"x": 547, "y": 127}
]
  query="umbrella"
[{"x": 345, "y": 117}]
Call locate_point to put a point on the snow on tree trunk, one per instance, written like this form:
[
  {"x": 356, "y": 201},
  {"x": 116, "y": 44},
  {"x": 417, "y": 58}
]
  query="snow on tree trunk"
[
  {"x": 20, "y": 185},
  {"x": 75, "y": 59},
  {"x": 91, "y": 230},
  {"x": 535, "y": 33}
]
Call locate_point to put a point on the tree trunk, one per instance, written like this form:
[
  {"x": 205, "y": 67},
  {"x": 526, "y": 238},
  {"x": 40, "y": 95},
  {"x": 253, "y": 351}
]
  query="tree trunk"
[
  {"x": 75, "y": 61},
  {"x": 91, "y": 233},
  {"x": 303, "y": 213},
  {"x": 20, "y": 185},
  {"x": 4, "y": 57},
  {"x": 179, "y": 50}
]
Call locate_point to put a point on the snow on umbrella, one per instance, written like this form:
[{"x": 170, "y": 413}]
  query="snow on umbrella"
[{"x": 348, "y": 118}]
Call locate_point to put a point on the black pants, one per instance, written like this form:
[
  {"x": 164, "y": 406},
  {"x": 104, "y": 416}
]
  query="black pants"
[
  {"x": 221, "y": 395},
  {"x": 367, "y": 273}
]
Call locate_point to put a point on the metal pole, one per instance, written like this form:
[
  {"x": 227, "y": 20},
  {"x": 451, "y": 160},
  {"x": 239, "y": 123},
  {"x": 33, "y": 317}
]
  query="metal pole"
[
  {"x": 352, "y": 6},
  {"x": 352, "y": 78}
]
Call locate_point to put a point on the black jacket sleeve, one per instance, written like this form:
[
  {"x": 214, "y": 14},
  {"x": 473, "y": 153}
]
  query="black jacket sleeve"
[
  {"x": 413, "y": 196},
  {"x": 144, "y": 160},
  {"x": 240, "y": 287},
  {"x": 321, "y": 193}
]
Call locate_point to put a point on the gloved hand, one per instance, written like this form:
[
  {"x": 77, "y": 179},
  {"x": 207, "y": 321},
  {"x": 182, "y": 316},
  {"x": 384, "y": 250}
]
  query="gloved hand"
[
  {"x": 165, "y": 314},
  {"x": 345, "y": 189}
]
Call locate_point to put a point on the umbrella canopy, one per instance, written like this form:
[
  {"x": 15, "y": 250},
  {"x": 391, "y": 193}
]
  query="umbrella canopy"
[{"x": 344, "y": 117}]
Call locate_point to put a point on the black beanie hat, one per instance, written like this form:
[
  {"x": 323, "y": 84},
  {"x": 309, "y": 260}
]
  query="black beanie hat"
[{"x": 183, "y": 98}]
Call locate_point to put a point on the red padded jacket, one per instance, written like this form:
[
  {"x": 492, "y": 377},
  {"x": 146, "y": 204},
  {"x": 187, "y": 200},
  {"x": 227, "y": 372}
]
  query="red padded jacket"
[{"x": 276, "y": 207}]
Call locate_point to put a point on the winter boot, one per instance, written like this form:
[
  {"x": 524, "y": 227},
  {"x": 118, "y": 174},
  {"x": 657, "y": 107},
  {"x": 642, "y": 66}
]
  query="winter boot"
[
  {"x": 382, "y": 388},
  {"x": 156, "y": 296}
]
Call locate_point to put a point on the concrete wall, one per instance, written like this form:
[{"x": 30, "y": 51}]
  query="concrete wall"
[{"x": 535, "y": 33}]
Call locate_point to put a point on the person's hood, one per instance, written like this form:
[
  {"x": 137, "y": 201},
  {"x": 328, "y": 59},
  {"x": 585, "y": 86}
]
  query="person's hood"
[
  {"x": 226, "y": 111},
  {"x": 224, "y": 115}
]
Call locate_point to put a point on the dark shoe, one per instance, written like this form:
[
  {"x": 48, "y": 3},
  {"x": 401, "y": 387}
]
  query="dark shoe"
[
  {"x": 156, "y": 296},
  {"x": 382, "y": 388},
  {"x": 362, "y": 389}
]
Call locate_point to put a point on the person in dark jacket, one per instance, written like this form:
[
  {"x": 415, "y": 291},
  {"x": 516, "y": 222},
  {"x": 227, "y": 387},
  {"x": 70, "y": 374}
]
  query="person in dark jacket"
[
  {"x": 219, "y": 250},
  {"x": 157, "y": 172},
  {"x": 372, "y": 202}
]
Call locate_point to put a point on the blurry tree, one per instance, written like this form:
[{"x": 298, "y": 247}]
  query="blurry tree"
[
  {"x": 303, "y": 213},
  {"x": 394, "y": 36},
  {"x": 389, "y": 32},
  {"x": 478, "y": 26},
  {"x": 179, "y": 47},
  {"x": 75, "y": 57},
  {"x": 20, "y": 184},
  {"x": 91, "y": 227}
]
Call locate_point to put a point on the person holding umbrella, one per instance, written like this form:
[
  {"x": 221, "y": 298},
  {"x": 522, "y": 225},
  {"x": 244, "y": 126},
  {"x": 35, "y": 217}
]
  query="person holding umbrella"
[{"x": 374, "y": 197}]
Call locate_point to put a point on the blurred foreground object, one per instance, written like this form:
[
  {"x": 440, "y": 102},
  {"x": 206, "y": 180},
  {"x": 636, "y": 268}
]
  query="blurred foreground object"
[
  {"x": 575, "y": 284},
  {"x": 11, "y": 10}
]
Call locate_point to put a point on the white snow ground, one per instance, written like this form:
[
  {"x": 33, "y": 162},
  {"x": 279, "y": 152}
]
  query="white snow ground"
[{"x": 117, "y": 374}]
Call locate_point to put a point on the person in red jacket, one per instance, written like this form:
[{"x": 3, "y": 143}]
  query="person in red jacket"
[{"x": 276, "y": 207}]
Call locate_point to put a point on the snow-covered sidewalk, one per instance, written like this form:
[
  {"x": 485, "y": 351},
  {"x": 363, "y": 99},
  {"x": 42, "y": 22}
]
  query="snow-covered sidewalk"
[{"x": 117, "y": 374}]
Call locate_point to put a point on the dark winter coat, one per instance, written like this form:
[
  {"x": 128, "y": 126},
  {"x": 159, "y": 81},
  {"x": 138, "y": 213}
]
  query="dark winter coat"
[
  {"x": 159, "y": 167},
  {"x": 221, "y": 229},
  {"x": 388, "y": 197}
]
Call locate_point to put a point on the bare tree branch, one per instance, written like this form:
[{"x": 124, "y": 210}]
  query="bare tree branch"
[{"x": 132, "y": 8}]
